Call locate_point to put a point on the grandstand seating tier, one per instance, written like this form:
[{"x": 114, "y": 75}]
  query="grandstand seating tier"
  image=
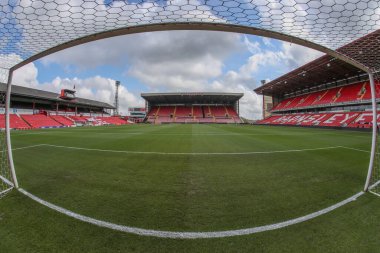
[
  {"x": 63, "y": 120},
  {"x": 197, "y": 112},
  {"x": 184, "y": 114},
  {"x": 28, "y": 121},
  {"x": 40, "y": 120},
  {"x": 15, "y": 122},
  {"x": 350, "y": 93},
  {"x": 183, "y": 111}
]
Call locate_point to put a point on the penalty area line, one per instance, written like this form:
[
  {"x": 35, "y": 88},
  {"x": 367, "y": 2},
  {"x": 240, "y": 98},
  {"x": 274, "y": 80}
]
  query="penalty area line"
[
  {"x": 184, "y": 153},
  {"x": 356, "y": 149},
  {"x": 26, "y": 147},
  {"x": 31, "y": 146},
  {"x": 189, "y": 235}
]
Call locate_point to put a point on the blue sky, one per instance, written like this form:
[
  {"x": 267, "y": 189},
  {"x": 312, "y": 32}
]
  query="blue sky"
[{"x": 169, "y": 61}]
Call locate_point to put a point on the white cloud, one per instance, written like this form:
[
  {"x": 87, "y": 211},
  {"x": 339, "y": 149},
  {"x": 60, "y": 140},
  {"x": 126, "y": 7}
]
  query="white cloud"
[
  {"x": 289, "y": 56},
  {"x": 250, "y": 105},
  {"x": 253, "y": 47},
  {"x": 267, "y": 58},
  {"x": 243, "y": 80},
  {"x": 267, "y": 42},
  {"x": 295, "y": 55},
  {"x": 26, "y": 76},
  {"x": 174, "y": 61},
  {"x": 95, "y": 88},
  {"x": 68, "y": 20},
  {"x": 9, "y": 60}
]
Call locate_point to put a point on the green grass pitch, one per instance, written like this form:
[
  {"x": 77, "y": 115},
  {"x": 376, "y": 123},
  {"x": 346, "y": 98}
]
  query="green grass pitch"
[{"x": 223, "y": 177}]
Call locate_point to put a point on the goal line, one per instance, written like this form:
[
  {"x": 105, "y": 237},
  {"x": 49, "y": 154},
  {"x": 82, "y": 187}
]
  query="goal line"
[{"x": 190, "y": 235}]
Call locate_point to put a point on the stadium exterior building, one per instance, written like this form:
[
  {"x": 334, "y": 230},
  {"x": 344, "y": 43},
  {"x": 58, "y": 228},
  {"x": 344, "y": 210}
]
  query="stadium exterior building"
[
  {"x": 198, "y": 107},
  {"x": 33, "y": 108}
]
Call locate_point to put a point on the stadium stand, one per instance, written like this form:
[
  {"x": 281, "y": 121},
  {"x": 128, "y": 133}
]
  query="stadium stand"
[
  {"x": 113, "y": 120},
  {"x": 32, "y": 108},
  {"x": 218, "y": 111},
  {"x": 351, "y": 93},
  {"x": 80, "y": 119},
  {"x": 62, "y": 120},
  {"x": 40, "y": 121},
  {"x": 325, "y": 92},
  {"x": 184, "y": 111},
  {"x": 15, "y": 122},
  {"x": 198, "y": 112},
  {"x": 192, "y": 107}
]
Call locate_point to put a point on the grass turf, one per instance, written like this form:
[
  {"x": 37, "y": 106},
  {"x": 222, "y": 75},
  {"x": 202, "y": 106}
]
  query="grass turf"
[{"x": 189, "y": 192}]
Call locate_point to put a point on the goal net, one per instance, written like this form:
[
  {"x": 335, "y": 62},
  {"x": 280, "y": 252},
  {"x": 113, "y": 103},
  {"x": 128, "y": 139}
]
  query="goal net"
[
  {"x": 5, "y": 174},
  {"x": 374, "y": 185}
]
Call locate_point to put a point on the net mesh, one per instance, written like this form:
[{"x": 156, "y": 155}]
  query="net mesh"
[
  {"x": 30, "y": 27},
  {"x": 5, "y": 174}
]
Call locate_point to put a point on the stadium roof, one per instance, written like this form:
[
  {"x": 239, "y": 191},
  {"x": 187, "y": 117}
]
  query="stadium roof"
[
  {"x": 51, "y": 96},
  {"x": 325, "y": 69},
  {"x": 192, "y": 98}
]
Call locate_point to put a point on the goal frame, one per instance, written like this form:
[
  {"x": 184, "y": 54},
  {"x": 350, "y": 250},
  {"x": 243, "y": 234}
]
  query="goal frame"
[{"x": 195, "y": 26}]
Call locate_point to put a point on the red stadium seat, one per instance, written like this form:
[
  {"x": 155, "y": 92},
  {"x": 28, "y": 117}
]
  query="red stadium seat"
[
  {"x": 350, "y": 93},
  {"x": 40, "y": 121},
  {"x": 15, "y": 122},
  {"x": 63, "y": 120}
]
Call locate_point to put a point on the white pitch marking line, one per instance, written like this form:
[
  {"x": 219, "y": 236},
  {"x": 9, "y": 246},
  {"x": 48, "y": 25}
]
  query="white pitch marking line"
[
  {"x": 181, "y": 153},
  {"x": 13, "y": 134},
  {"x": 190, "y": 235},
  {"x": 356, "y": 149},
  {"x": 31, "y": 146}
]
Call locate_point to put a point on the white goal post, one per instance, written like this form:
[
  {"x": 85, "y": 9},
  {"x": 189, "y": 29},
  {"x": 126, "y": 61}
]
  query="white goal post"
[
  {"x": 372, "y": 183},
  {"x": 8, "y": 178}
]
